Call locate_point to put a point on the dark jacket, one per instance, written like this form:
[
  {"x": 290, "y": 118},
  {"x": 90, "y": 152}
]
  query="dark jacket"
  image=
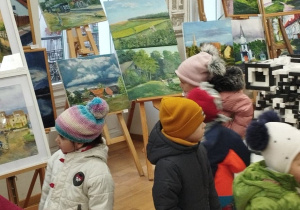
[
  {"x": 227, "y": 154},
  {"x": 183, "y": 177}
]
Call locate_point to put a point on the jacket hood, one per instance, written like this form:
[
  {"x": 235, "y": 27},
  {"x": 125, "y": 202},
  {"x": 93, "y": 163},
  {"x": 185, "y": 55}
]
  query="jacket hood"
[{"x": 160, "y": 146}]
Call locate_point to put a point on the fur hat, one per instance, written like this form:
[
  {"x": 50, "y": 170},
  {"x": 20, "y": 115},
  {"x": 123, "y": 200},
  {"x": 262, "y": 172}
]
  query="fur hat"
[
  {"x": 278, "y": 142},
  {"x": 232, "y": 80},
  {"x": 83, "y": 124},
  {"x": 180, "y": 117},
  {"x": 200, "y": 68},
  {"x": 208, "y": 99}
]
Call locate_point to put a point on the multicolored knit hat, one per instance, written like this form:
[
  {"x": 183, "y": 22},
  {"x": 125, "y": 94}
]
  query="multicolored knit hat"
[{"x": 83, "y": 124}]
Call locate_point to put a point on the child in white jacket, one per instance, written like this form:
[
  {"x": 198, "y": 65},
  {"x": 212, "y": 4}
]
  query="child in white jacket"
[{"x": 77, "y": 175}]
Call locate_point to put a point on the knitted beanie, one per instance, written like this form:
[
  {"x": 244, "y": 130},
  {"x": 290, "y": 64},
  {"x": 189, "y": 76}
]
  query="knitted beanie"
[
  {"x": 83, "y": 124},
  {"x": 278, "y": 142},
  {"x": 208, "y": 99},
  {"x": 180, "y": 117}
]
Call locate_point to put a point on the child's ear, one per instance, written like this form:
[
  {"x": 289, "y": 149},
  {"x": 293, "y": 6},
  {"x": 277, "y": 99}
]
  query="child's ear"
[{"x": 78, "y": 145}]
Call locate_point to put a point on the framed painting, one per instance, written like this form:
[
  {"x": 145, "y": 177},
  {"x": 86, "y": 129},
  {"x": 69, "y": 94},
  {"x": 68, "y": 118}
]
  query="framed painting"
[
  {"x": 87, "y": 77},
  {"x": 22, "y": 14},
  {"x": 280, "y": 7},
  {"x": 37, "y": 62},
  {"x": 65, "y": 14},
  {"x": 4, "y": 43},
  {"x": 240, "y": 8},
  {"x": 23, "y": 142},
  {"x": 147, "y": 24}
]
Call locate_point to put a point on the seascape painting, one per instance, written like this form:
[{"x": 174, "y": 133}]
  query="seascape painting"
[
  {"x": 150, "y": 72},
  {"x": 40, "y": 77},
  {"x": 4, "y": 43},
  {"x": 139, "y": 24},
  {"x": 217, "y": 33},
  {"x": 87, "y": 77},
  {"x": 17, "y": 140},
  {"x": 281, "y": 6},
  {"x": 66, "y": 14}
]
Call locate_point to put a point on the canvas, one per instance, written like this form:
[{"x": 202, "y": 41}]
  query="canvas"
[
  {"x": 139, "y": 24},
  {"x": 150, "y": 72},
  {"x": 40, "y": 76},
  {"x": 65, "y": 14},
  {"x": 87, "y": 77},
  {"x": 217, "y": 33},
  {"x": 240, "y": 7},
  {"x": 281, "y": 7},
  {"x": 4, "y": 43}
]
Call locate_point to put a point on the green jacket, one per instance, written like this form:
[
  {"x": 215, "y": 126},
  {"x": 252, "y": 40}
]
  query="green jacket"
[{"x": 258, "y": 187}]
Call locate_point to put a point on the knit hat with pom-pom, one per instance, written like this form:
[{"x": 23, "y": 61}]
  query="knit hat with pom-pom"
[
  {"x": 81, "y": 123},
  {"x": 201, "y": 67},
  {"x": 278, "y": 142}
]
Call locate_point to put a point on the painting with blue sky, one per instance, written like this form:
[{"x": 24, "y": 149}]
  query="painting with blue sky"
[
  {"x": 94, "y": 76},
  {"x": 139, "y": 23},
  {"x": 41, "y": 81},
  {"x": 217, "y": 33}
]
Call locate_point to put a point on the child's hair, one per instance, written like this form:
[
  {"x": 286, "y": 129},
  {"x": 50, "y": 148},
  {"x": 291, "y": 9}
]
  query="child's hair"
[
  {"x": 95, "y": 142},
  {"x": 278, "y": 142},
  {"x": 232, "y": 80},
  {"x": 180, "y": 117},
  {"x": 83, "y": 124}
]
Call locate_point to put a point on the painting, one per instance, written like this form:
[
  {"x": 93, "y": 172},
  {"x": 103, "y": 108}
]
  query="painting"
[
  {"x": 4, "y": 43},
  {"x": 37, "y": 63},
  {"x": 234, "y": 8},
  {"x": 22, "y": 14},
  {"x": 66, "y": 14},
  {"x": 150, "y": 72},
  {"x": 139, "y": 24},
  {"x": 249, "y": 43},
  {"x": 280, "y": 7},
  {"x": 87, "y": 77},
  {"x": 217, "y": 33},
  {"x": 22, "y": 140}
]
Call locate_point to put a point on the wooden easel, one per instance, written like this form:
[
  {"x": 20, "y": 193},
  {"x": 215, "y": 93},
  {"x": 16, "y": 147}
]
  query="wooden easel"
[
  {"x": 12, "y": 185},
  {"x": 201, "y": 12},
  {"x": 77, "y": 47}
]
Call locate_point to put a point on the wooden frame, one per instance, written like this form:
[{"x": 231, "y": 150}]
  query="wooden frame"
[
  {"x": 22, "y": 131},
  {"x": 37, "y": 62}
]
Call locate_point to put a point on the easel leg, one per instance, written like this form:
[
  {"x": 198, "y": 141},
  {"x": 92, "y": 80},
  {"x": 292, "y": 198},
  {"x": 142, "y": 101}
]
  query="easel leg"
[
  {"x": 145, "y": 139},
  {"x": 130, "y": 144},
  {"x": 12, "y": 190},
  {"x": 130, "y": 115}
]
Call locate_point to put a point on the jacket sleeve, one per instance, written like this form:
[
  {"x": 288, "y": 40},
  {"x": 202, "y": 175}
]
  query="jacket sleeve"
[
  {"x": 166, "y": 186},
  {"x": 46, "y": 185},
  {"x": 101, "y": 192}
]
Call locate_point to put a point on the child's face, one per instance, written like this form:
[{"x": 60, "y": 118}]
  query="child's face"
[
  {"x": 66, "y": 145},
  {"x": 295, "y": 168},
  {"x": 198, "y": 134},
  {"x": 186, "y": 87}
]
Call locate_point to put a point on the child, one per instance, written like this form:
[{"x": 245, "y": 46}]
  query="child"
[
  {"x": 183, "y": 178},
  {"x": 77, "y": 175},
  {"x": 201, "y": 67},
  {"x": 273, "y": 183},
  {"x": 226, "y": 151},
  {"x": 236, "y": 105}
]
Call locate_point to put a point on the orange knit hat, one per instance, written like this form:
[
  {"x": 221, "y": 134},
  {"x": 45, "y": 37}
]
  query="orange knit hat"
[{"x": 180, "y": 117}]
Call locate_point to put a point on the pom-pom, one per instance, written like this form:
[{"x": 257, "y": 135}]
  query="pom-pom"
[
  {"x": 98, "y": 107},
  {"x": 268, "y": 116},
  {"x": 257, "y": 136},
  {"x": 210, "y": 49}
]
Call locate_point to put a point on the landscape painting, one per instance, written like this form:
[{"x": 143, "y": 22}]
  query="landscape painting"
[
  {"x": 217, "y": 33},
  {"x": 249, "y": 43},
  {"x": 150, "y": 72},
  {"x": 241, "y": 7},
  {"x": 281, "y": 6},
  {"x": 94, "y": 76},
  {"x": 4, "y": 43},
  {"x": 17, "y": 140},
  {"x": 40, "y": 77},
  {"x": 65, "y": 14},
  {"x": 139, "y": 24},
  {"x": 22, "y": 14}
]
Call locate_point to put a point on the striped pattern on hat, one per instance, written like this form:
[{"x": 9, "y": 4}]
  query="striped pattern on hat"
[{"x": 83, "y": 124}]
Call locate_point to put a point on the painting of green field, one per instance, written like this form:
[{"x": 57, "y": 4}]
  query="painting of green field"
[
  {"x": 4, "y": 43},
  {"x": 150, "y": 72},
  {"x": 279, "y": 6},
  {"x": 149, "y": 25},
  {"x": 238, "y": 7},
  {"x": 65, "y": 14}
]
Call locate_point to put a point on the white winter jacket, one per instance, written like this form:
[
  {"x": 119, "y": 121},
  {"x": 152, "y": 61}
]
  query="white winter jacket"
[{"x": 79, "y": 180}]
